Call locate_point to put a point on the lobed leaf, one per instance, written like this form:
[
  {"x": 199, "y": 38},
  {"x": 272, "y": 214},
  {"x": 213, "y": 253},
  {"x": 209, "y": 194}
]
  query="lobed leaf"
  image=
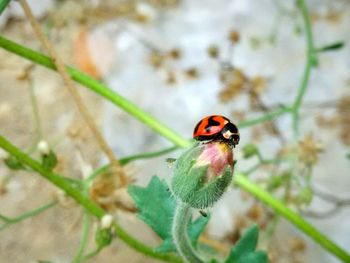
[
  {"x": 156, "y": 207},
  {"x": 244, "y": 250}
]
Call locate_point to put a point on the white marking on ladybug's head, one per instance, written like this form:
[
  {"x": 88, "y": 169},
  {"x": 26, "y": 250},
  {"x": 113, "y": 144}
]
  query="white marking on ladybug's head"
[{"x": 227, "y": 134}]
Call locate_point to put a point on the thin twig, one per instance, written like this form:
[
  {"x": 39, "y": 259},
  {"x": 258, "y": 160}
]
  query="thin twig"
[
  {"x": 311, "y": 60},
  {"x": 262, "y": 106},
  {"x": 84, "y": 238},
  {"x": 14, "y": 220},
  {"x": 331, "y": 198},
  {"x": 75, "y": 94}
]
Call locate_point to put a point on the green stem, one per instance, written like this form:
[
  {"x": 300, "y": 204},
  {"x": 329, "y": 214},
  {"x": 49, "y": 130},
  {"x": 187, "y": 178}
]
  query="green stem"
[
  {"x": 128, "y": 159},
  {"x": 73, "y": 192},
  {"x": 9, "y": 221},
  {"x": 147, "y": 155},
  {"x": 99, "y": 88},
  {"x": 179, "y": 230},
  {"x": 84, "y": 238},
  {"x": 35, "y": 108},
  {"x": 311, "y": 61},
  {"x": 242, "y": 181},
  {"x": 266, "y": 117},
  {"x": 92, "y": 254}
]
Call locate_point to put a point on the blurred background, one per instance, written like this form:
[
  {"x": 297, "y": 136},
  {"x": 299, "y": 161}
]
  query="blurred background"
[{"x": 180, "y": 60}]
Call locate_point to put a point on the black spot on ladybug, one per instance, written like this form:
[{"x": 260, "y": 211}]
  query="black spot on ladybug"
[
  {"x": 212, "y": 122},
  {"x": 231, "y": 127}
]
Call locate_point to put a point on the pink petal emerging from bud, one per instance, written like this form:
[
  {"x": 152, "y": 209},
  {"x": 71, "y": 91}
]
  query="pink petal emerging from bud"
[
  {"x": 217, "y": 155},
  {"x": 203, "y": 173}
]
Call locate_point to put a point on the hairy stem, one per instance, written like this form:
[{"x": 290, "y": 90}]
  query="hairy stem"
[{"x": 179, "y": 230}]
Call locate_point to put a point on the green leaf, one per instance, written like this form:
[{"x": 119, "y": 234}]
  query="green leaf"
[
  {"x": 49, "y": 160},
  {"x": 244, "y": 250},
  {"x": 13, "y": 163},
  {"x": 255, "y": 257},
  {"x": 3, "y": 5},
  {"x": 332, "y": 47},
  {"x": 156, "y": 207}
]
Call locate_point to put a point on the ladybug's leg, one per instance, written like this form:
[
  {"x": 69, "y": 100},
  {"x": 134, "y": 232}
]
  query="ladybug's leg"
[
  {"x": 170, "y": 160},
  {"x": 204, "y": 214},
  {"x": 234, "y": 163}
]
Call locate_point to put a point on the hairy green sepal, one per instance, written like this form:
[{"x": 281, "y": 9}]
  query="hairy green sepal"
[{"x": 190, "y": 183}]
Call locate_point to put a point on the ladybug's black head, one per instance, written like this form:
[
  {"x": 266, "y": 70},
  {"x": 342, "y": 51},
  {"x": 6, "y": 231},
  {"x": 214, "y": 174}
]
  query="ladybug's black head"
[{"x": 230, "y": 134}]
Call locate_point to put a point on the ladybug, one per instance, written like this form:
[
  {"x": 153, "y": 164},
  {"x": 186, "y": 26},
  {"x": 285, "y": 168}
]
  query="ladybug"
[{"x": 216, "y": 128}]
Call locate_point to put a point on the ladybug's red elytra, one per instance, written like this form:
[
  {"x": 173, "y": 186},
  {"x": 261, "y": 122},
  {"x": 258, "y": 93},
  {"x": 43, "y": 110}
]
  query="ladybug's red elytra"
[{"x": 216, "y": 127}]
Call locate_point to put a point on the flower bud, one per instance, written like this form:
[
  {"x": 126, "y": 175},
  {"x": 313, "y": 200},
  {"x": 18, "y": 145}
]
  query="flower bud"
[
  {"x": 43, "y": 147},
  {"x": 106, "y": 221},
  {"x": 202, "y": 174}
]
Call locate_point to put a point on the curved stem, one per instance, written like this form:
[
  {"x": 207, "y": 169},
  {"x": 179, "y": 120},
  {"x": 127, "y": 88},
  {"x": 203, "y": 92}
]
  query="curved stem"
[
  {"x": 180, "y": 235},
  {"x": 8, "y": 221},
  {"x": 265, "y": 117},
  {"x": 128, "y": 159},
  {"x": 84, "y": 238}
]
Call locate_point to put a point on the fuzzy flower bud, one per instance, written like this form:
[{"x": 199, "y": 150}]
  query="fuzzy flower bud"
[
  {"x": 203, "y": 173},
  {"x": 106, "y": 221},
  {"x": 43, "y": 147}
]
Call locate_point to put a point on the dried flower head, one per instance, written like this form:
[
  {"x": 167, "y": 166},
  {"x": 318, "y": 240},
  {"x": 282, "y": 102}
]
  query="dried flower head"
[
  {"x": 309, "y": 150},
  {"x": 234, "y": 81}
]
